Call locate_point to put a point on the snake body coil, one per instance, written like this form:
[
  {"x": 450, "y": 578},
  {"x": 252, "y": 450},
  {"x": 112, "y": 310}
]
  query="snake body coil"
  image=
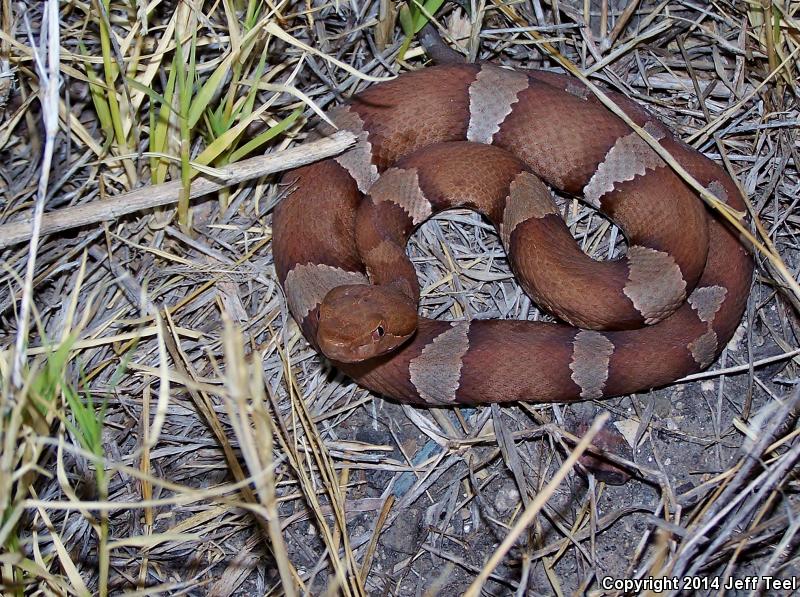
[{"x": 481, "y": 136}]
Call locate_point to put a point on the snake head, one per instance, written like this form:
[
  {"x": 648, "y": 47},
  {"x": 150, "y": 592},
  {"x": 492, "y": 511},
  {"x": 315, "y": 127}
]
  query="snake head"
[{"x": 358, "y": 322}]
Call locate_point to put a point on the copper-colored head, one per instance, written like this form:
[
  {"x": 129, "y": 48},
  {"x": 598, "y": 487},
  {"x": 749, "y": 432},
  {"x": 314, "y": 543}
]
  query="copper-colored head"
[{"x": 358, "y": 322}]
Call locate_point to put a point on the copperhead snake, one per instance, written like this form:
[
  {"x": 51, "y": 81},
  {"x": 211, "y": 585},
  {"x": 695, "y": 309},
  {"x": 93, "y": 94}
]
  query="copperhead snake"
[{"x": 482, "y": 136}]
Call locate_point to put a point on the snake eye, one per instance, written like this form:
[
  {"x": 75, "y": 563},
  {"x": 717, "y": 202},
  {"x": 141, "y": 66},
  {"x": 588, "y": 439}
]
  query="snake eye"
[{"x": 378, "y": 333}]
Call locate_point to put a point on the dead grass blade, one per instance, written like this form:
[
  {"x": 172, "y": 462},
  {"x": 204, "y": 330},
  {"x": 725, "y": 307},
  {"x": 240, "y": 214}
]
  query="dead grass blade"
[{"x": 168, "y": 193}]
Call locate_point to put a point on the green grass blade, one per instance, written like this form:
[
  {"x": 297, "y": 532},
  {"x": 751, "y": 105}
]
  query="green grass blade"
[
  {"x": 151, "y": 93},
  {"x": 208, "y": 89},
  {"x": 159, "y": 137},
  {"x": 259, "y": 140},
  {"x": 421, "y": 19}
]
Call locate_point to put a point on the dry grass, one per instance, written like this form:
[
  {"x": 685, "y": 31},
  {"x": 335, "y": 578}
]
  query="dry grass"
[{"x": 165, "y": 428}]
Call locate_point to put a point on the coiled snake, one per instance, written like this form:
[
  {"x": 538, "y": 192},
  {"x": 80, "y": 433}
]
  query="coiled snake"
[{"x": 482, "y": 136}]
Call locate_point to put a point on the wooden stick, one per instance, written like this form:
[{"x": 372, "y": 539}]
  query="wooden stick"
[{"x": 168, "y": 192}]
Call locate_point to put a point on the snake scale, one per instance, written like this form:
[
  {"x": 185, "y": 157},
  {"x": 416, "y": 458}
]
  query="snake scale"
[{"x": 485, "y": 137}]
